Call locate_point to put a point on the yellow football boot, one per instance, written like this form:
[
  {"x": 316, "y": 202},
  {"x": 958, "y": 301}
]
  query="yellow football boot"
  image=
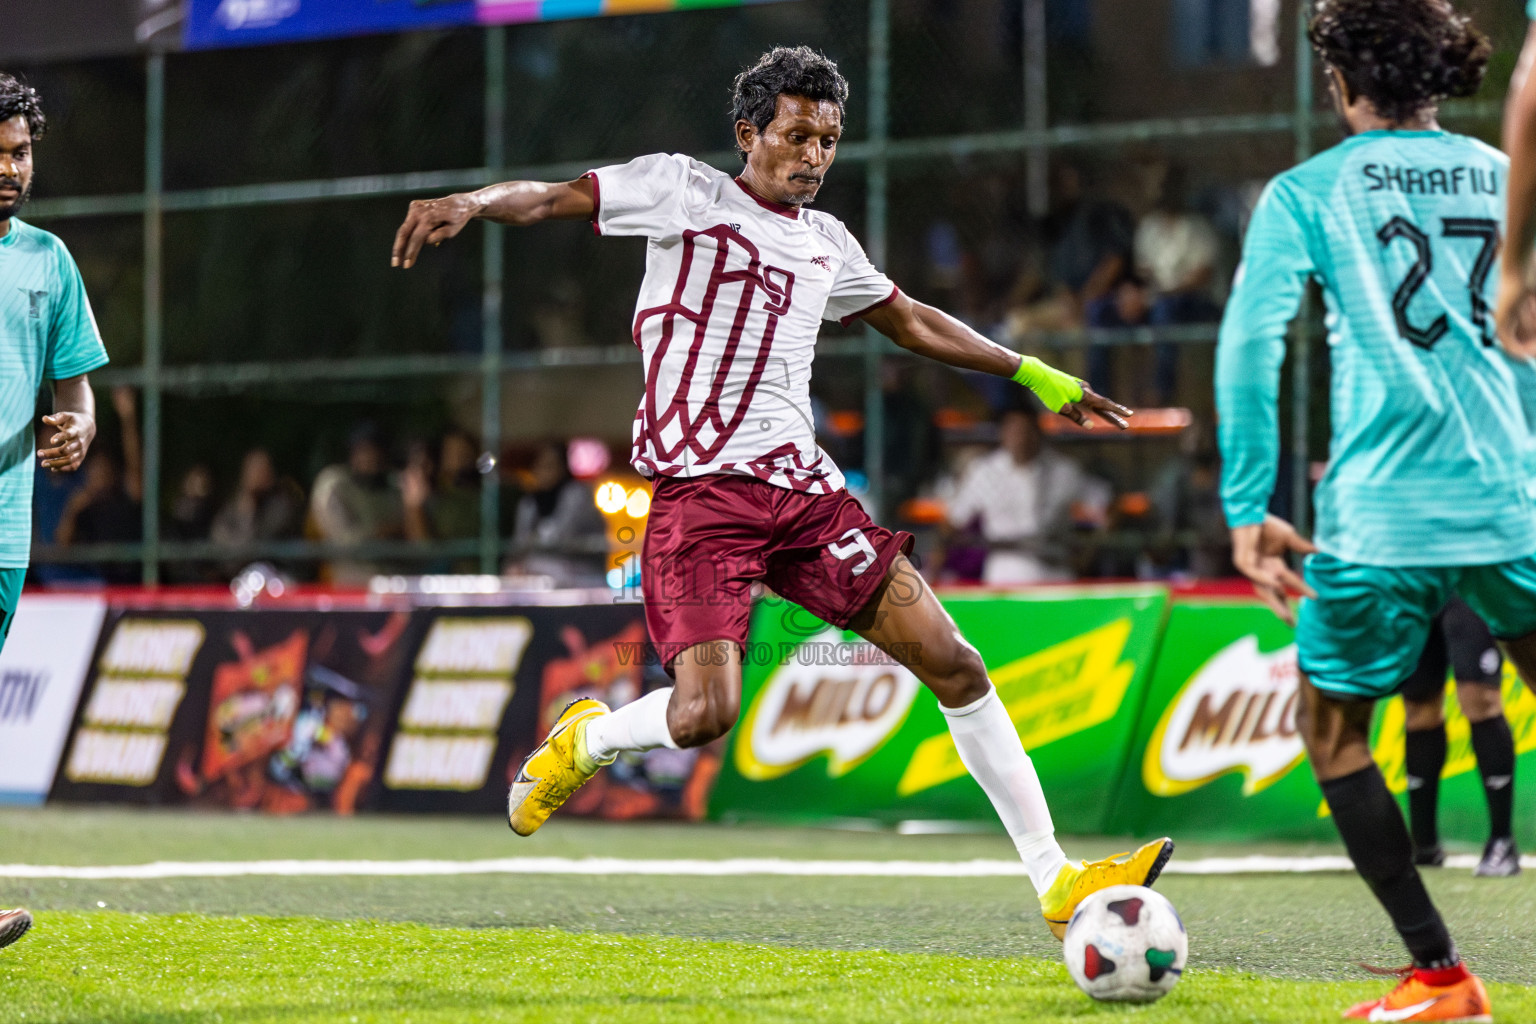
[
  {"x": 1076, "y": 883},
  {"x": 549, "y": 775}
]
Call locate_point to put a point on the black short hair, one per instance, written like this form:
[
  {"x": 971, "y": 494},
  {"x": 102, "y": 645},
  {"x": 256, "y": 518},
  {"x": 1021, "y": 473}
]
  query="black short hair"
[
  {"x": 786, "y": 71},
  {"x": 20, "y": 100},
  {"x": 1402, "y": 55}
]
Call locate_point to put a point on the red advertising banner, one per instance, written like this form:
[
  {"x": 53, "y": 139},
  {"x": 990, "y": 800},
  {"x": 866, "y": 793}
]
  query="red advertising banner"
[{"x": 273, "y": 710}]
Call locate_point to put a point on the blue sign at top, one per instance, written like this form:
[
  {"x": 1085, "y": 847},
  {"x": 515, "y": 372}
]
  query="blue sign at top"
[{"x": 212, "y": 24}]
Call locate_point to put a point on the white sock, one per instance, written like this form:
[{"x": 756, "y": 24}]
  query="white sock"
[
  {"x": 639, "y": 725},
  {"x": 991, "y": 751}
]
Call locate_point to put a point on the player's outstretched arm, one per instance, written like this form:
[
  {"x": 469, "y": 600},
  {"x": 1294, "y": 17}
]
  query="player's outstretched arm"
[
  {"x": 931, "y": 332},
  {"x": 434, "y": 221},
  {"x": 74, "y": 420},
  {"x": 1515, "y": 314}
]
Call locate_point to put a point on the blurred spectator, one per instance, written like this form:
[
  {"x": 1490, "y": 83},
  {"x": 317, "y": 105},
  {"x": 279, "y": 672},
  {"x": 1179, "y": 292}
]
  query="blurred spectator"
[
  {"x": 104, "y": 511},
  {"x": 192, "y": 509},
  {"x": 1036, "y": 302},
  {"x": 559, "y": 531},
  {"x": 1021, "y": 498},
  {"x": 264, "y": 507},
  {"x": 108, "y": 506},
  {"x": 191, "y": 515},
  {"x": 1193, "y": 539},
  {"x": 357, "y": 503},
  {"x": 557, "y": 319},
  {"x": 1176, "y": 251},
  {"x": 442, "y": 501},
  {"x": 1128, "y": 305},
  {"x": 1092, "y": 239},
  {"x": 913, "y": 449},
  {"x": 944, "y": 256}
]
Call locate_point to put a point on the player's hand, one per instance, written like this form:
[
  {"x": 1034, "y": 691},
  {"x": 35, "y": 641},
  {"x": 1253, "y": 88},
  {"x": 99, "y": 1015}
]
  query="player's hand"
[
  {"x": 431, "y": 221},
  {"x": 69, "y": 443},
  {"x": 1259, "y": 553},
  {"x": 1514, "y": 315},
  {"x": 1110, "y": 412}
]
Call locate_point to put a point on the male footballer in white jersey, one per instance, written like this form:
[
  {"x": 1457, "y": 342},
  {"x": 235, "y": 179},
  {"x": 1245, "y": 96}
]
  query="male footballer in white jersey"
[{"x": 739, "y": 275}]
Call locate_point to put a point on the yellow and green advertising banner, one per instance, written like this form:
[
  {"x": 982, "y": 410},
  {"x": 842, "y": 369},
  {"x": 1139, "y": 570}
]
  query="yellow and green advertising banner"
[
  {"x": 832, "y": 727},
  {"x": 1145, "y": 714},
  {"x": 1216, "y": 750},
  {"x": 1217, "y": 754}
]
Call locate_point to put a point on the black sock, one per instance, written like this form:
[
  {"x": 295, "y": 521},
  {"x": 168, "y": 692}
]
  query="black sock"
[
  {"x": 1495, "y": 748},
  {"x": 1425, "y": 762},
  {"x": 1377, "y": 840}
]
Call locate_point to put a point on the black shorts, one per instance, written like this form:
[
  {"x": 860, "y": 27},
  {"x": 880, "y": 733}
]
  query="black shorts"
[{"x": 1458, "y": 641}]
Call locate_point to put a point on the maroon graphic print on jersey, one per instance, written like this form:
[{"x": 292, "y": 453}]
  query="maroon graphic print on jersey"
[
  {"x": 705, "y": 431},
  {"x": 735, "y": 290}
]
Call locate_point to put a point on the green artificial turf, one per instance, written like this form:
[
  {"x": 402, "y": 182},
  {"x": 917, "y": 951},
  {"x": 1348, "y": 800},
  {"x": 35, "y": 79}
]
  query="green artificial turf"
[
  {"x": 619, "y": 948},
  {"x": 1293, "y": 926},
  {"x": 125, "y": 835},
  {"x": 149, "y": 969}
]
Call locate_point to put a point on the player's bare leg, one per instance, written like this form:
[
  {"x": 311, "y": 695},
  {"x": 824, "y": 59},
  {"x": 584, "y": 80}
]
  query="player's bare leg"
[
  {"x": 706, "y": 699},
  {"x": 13, "y": 925},
  {"x": 904, "y": 614},
  {"x": 1438, "y": 987}
]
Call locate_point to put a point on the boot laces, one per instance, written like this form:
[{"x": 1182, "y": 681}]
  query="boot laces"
[
  {"x": 1098, "y": 867},
  {"x": 1403, "y": 973}
]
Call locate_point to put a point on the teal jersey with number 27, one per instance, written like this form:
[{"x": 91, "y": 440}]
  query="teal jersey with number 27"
[{"x": 1429, "y": 458}]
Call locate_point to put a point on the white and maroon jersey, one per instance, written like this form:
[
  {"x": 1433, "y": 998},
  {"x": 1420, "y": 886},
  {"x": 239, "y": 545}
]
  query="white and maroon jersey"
[{"x": 734, "y": 293}]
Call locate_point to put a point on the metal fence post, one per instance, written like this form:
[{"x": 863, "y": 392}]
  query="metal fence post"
[
  {"x": 491, "y": 303},
  {"x": 1036, "y": 107},
  {"x": 1301, "y": 333},
  {"x": 154, "y": 154},
  {"x": 875, "y": 200}
]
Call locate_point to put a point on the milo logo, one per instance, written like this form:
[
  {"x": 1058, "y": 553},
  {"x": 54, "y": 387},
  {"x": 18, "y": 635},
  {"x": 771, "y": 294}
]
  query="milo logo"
[
  {"x": 843, "y": 706},
  {"x": 1236, "y": 714}
]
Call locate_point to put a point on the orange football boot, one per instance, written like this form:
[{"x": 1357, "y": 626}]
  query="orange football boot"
[{"x": 1458, "y": 1000}]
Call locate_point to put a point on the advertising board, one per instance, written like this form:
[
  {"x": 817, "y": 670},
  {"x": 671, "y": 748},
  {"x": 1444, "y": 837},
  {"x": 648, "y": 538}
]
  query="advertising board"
[
  {"x": 41, "y": 671},
  {"x": 833, "y": 727}
]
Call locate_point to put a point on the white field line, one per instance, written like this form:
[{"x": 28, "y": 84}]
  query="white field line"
[{"x": 618, "y": 866}]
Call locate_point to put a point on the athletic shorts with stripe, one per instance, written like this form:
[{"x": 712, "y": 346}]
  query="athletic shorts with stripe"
[
  {"x": 710, "y": 538},
  {"x": 1363, "y": 635}
]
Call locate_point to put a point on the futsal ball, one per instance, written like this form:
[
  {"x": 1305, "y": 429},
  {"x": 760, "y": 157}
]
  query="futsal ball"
[{"x": 1126, "y": 944}]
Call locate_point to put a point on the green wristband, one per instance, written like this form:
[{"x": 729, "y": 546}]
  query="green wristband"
[{"x": 1056, "y": 389}]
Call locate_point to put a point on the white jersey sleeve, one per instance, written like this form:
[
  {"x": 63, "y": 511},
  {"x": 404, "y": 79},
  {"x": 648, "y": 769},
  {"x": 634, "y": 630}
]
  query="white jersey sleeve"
[
  {"x": 858, "y": 287},
  {"x": 641, "y": 197}
]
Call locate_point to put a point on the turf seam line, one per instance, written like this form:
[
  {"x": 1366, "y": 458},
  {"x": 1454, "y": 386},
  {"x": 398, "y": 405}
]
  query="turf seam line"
[{"x": 1256, "y": 864}]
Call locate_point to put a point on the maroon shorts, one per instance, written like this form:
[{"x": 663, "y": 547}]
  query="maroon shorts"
[{"x": 710, "y": 538}]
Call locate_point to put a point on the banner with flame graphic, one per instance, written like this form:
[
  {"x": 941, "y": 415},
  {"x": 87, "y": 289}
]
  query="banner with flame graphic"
[{"x": 834, "y": 728}]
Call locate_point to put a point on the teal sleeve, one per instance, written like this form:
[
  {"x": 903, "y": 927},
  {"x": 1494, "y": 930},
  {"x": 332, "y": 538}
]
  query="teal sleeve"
[
  {"x": 74, "y": 343},
  {"x": 1250, "y": 350},
  {"x": 1530, "y": 9}
]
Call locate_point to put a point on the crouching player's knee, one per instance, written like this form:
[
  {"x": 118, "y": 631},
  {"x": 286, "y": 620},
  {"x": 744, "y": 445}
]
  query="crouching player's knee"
[
  {"x": 955, "y": 672},
  {"x": 701, "y": 718}
]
